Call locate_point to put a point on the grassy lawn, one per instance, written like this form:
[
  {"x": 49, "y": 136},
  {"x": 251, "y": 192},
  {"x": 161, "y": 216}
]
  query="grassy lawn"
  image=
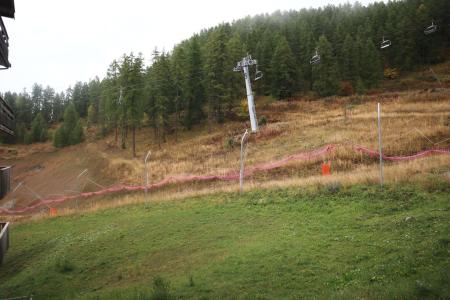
[{"x": 357, "y": 242}]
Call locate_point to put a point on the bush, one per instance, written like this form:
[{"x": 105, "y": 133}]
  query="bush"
[
  {"x": 161, "y": 289},
  {"x": 391, "y": 73},
  {"x": 230, "y": 143},
  {"x": 333, "y": 187},
  {"x": 63, "y": 265},
  {"x": 243, "y": 111},
  {"x": 263, "y": 121}
]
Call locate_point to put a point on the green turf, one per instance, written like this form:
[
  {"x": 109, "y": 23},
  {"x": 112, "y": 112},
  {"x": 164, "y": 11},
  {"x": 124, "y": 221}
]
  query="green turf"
[{"x": 357, "y": 242}]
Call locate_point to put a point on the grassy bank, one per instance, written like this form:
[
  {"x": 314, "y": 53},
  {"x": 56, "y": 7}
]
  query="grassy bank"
[{"x": 268, "y": 244}]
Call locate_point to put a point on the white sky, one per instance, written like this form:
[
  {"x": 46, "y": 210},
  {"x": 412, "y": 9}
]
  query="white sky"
[{"x": 58, "y": 42}]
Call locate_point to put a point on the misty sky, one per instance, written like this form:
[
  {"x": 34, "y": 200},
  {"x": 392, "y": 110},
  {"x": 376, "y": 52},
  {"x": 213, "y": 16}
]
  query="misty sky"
[{"x": 58, "y": 42}]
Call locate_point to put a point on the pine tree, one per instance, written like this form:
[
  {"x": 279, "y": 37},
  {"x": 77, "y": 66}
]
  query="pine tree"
[
  {"x": 110, "y": 100},
  {"x": 284, "y": 71},
  {"x": 216, "y": 74},
  {"x": 178, "y": 70},
  {"x": 325, "y": 74},
  {"x": 195, "y": 93},
  {"x": 130, "y": 111},
  {"x": 38, "y": 129},
  {"x": 264, "y": 52},
  {"x": 59, "y": 138},
  {"x": 371, "y": 69},
  {"x": 48, "y": 96},
  {"x": 94, "y": 93},
  {"x": 57, "y": 107},
  {"x": 76, "y": 136},
  {"x": 36, "y": 100},
  {"x": 71, "y": 131},
  {"x": 235, "y": 52},
  {"x": 92, "y": 115}
]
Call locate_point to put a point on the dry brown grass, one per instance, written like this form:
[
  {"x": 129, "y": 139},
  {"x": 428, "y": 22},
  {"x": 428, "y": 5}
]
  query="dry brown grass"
[
  {"x": 411, "y": 121},
  {"x": 412, "y": 172}
]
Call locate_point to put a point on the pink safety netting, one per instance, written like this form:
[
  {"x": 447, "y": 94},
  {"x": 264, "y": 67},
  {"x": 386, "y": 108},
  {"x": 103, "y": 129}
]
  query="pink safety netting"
[{"x": 232, "y": 175}]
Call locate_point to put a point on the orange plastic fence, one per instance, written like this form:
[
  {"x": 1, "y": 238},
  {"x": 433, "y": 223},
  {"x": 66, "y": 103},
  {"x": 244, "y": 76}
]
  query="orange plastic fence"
[{"x": 232, "y": 175}]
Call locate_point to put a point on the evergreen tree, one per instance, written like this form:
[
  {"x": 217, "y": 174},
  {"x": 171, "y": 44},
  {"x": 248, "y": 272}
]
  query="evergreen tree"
[
  {"x": 59, "y": 138},
  {"x": 48, "y": 96},
  {"x": 216, "y": 74},
  {"x": 76, "y": 136},
  {"x": 195, "y": 93},
  {"x": 38, "y": 129},
  {"x": 36, "y": 100},
  {"x": 92, "y": 115},
  {"x": 94, "y": 93},
  {"x": 57, "y": 107},
  {"x": 283, "y": 70},
  {"x": 71, "y": 131},
  {"x": 264, "y": 52},
  {"x": 130, "y": 106},
  {"x": 371, "y": 70},
  {"x": 325, "y": 74},
  {"x": 235, "y": 52},
  {"x": 178, "y": 71}
]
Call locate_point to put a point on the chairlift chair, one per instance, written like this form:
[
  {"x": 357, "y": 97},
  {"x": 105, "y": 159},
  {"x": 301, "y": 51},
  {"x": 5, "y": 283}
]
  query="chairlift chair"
[
  {"x": 385, "y": 43},
  {"x": 430, "y": 29},
  {"x": 315, "y": 59},
  {"x": 258, "y": 74}
]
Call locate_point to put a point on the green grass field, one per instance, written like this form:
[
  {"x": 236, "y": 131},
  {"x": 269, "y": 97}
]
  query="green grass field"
[{"x": 329, "y": 242}]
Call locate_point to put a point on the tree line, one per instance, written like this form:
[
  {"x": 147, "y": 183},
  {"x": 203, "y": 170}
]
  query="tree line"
[{"x": 195, "y": 81}]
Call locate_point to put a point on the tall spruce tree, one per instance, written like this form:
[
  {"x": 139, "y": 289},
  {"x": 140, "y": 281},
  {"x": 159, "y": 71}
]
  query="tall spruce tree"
[
  {"x": 216, "y": 74},
  {"x": 71, "y": 131},
  {"x": 325, "y": 74},
  {"x": 284, "y": 71},
  {"x": 195, "y": 92}
]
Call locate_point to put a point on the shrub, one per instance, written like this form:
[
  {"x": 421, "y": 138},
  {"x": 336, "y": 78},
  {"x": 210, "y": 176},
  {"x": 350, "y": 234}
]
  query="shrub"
[
  {"x": 161, "y": 289},
  {"x": 230, "y": 143},
  {"x": 263, "y": 121},
  {"x": 63, "y": 265},
  {"x": 333, "y": 187},
  {"x": 391, "y": 73},
  {"x": 243, "y": 111}
]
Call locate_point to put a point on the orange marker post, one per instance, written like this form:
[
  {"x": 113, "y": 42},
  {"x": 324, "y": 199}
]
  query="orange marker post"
[
  {"x": 326, "y": 169},
  {"x": 53, "y": 212}
]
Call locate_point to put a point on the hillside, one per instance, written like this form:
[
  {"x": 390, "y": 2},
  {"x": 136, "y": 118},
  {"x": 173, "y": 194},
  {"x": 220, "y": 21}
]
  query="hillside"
[
  {"x": 412, "y": 120},
  {"x": 293, "y": 233}
]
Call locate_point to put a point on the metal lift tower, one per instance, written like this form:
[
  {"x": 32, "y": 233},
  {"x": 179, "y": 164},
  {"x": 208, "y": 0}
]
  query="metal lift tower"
[{"x": 243, "y": 66}]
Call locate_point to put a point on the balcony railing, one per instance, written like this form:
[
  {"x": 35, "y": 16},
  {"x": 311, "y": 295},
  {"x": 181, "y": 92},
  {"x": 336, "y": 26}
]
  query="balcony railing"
[
  {"x": 7, "y": 119},
  {"x": 4, "y": 44}
]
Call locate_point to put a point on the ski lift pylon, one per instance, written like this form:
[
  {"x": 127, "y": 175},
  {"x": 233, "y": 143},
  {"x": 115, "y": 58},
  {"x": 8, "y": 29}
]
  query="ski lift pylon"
[
  {"x": 385, "y": 43},
  {"x": 430, "y": 29},
  {"x": 315, "y": 59}
]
